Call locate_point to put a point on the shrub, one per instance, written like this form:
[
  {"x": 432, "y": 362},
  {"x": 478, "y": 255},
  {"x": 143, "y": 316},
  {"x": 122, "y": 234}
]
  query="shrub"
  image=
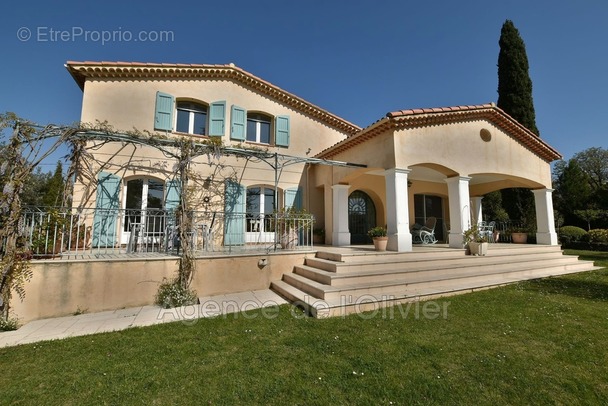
[
  {"x": 377, "y": 232},
  {"x": 8, "y": 324},
  {"x": 598, "y": 235},
  {"x": 568, "y": 234},
  {"x": 172, "y": 294}
]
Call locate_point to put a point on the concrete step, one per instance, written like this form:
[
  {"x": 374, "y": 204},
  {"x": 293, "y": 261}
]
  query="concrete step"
[
  {"x": 375, "y": 256},
  {"x": 416, "y": 262},
  {"x": 412, "y": 272},
  {"x": 421, "y": 252},
  {"x": 299, "y": 298},
  {"x": 341, "y": 282},
  {"x": 356, "y": 304},
  {"x": 401, "y": 282}
]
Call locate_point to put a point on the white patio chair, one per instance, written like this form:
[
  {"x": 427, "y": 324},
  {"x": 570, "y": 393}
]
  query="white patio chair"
[{"x": 425, "y": 234}]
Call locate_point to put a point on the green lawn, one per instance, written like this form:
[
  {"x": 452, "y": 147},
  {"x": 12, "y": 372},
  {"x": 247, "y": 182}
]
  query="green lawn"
[{"x": 538, "y": 342}]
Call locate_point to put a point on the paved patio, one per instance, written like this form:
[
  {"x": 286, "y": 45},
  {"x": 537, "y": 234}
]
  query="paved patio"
[{"x": 114, "y": 320}]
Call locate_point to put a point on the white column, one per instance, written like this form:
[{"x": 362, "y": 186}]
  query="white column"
[
  {"x": 397, "y": 210},
  {"x": 340, "y": 234},
  {"x": 477, "y": 209},
  {"x": 545, "y": 221},
  {"x": 460, "y": 212}
]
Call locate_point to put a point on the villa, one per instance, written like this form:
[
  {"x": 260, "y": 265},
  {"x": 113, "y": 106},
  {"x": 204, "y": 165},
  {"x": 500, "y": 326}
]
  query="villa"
[{"x": 279, "y": 152}]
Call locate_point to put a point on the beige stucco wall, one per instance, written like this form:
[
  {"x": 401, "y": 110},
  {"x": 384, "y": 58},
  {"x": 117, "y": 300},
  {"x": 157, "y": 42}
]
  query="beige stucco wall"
[
  {"x": 443, "y": 151},
  {"x": 128, "y": 104},
  {"x": 60, "y": 288},
  {"x": 460, "y": 148}
]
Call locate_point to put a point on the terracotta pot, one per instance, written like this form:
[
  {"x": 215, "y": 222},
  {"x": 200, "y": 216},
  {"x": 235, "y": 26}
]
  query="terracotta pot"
[
  {"x": 380, "y": 243},
  {"x": 519, "y": 238}
]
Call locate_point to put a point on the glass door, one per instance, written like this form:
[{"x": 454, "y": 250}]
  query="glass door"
[{"x": 143, "y": 209}]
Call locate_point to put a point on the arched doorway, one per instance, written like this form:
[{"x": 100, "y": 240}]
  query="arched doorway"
[{"x": 361, "y": 217}]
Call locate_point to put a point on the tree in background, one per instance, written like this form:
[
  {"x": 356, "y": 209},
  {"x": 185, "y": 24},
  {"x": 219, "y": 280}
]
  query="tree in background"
[
  {"x": 514, "y": 83},
  {"x": 572, "y": 191},
  {"x": 581, "y": 188},
  {"x": 44, "y": 189},
  {"x": 515, "y": 98},
  {"x": 54, "y": 188}
]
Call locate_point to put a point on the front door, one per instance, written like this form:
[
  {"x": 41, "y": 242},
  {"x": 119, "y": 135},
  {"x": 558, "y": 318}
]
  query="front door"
[{"x": 361, "y": 217}]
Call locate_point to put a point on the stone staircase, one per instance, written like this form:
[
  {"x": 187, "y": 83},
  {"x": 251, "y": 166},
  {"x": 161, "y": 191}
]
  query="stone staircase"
[{"x": 342, "y": 281}]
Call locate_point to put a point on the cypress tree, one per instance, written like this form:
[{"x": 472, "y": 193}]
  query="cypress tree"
[
  {"x": 54, "y": 187},
  {"x": 515, "y": 98},
  {"x": 514, "y": 83}
]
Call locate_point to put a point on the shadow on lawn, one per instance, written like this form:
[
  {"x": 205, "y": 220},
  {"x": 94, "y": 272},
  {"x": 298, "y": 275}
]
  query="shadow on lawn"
[{"x": 571, "y": 286}]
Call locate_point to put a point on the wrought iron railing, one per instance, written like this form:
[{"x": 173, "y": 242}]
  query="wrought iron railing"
[{"x": 82, "y": 233}]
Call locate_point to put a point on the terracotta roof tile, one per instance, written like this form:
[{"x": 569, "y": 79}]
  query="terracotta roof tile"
[
  {"x": 422, "y": 117},
  {"x": 87, "y": 70}
]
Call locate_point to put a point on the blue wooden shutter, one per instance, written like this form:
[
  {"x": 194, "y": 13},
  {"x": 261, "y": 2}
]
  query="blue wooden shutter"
[
  {"x": 238, "y": 123},
  {"x": 281, "y": 133},
  {"x": 163, "y": 117},
  {"x": 217, "y": 116},
  {"x": 293, "y": 198},
  {"x": 106, "y": 211},
  {"x": 234, "y": 209},
  {"x": 173, "y": 196}
]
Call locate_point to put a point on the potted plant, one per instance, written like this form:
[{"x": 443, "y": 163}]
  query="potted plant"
[
  {"x": 289, "y": 224},
  {"x": 378, "y": 236},
  {"x": 47, "y": 235},
  {"x": 80, "y": 237},
  {"x": 475, "y": 241},
  {"x": 519, "y": 235}
]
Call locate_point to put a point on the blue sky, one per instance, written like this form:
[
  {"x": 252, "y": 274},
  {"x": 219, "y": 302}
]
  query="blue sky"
[{"x": 357, "y": 59}]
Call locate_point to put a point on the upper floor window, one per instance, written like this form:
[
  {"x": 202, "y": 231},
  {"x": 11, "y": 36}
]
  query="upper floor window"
[
  {"x": 258, "y": 128},
  {"x": 191, "y": 118}
]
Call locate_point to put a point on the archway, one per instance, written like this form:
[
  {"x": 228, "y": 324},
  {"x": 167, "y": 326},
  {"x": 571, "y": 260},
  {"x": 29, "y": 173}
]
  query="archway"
[{"x": 361, "y": 217}]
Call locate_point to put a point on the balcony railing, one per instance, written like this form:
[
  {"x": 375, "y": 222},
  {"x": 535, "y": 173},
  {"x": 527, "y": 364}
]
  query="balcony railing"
[{"x": 49, "y": 233}]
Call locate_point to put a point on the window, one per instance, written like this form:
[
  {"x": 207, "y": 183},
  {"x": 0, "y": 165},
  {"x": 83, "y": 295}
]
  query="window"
[
  {"x": 258, "y": 128},
  {"x": 191, "y": 118}
]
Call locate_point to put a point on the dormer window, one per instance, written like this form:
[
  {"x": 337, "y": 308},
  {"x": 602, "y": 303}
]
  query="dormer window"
[{"x": 191, "y": 118}]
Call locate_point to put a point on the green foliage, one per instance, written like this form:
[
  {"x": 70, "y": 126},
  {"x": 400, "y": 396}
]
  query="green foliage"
[
  {"x": 568, "y": 234},
  {"x": 514, "y": 83},
  {"x": 598, "y": 235},
  {"x": 492, "y": 207},
  {"x": 8, "y": 324},
  {"x": 377, "y": 232},
  {"x": 174, "y": 294},
  {"x": 54, "y": 188},
  {"x": 590, "y": 215},
  {"x": 519, "y": 204},
  {"x": 474, "y": 234},
  {"x": 594, "y": 162},
  {"x": 572, "y": 191}
]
